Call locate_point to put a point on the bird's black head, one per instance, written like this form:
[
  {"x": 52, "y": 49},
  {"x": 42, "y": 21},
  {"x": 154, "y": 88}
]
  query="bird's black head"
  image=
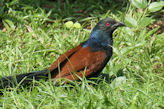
[
  {"x": 101, "y": 35},
  {"x": 108, "y": 25}
]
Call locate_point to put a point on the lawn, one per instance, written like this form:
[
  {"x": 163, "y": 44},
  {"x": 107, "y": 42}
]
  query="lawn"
[{"x": 33, "y": 34}]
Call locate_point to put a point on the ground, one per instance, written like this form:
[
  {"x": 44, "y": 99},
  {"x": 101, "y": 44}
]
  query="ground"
[{"x": 33, "y": 33}]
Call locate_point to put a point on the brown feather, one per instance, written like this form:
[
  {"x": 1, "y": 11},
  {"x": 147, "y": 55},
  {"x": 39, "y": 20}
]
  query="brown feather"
[
  {"x": 82, "y": 62},
  {"x": 63, "y": 57}
]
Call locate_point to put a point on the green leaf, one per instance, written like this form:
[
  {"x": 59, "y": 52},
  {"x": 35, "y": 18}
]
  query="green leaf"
[
  {"x": 156, "y": 6},
  {"x": 131, "y": 22},
  {"x": 77, "y": 25},
  {"x": 139, "y": 3},
  {"x": 13, "y": 2},
  {"x": 117, "y": 82},
  {"x": 145, "y": 22},
  {"x": 69, "y": 24},
  {"x": 128, "y": 31},
  {"x": 8, "y": 24}
]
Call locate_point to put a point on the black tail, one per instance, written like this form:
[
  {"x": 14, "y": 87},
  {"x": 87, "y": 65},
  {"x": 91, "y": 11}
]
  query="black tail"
[{"x": 23, "y": 79}]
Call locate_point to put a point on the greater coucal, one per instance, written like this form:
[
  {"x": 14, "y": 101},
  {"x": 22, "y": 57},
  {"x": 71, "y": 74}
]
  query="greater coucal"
[{"x": 88, "y": 58}]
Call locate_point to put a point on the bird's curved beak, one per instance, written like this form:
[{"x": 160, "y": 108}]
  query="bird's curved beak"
[{"x": 118, "y": 24}]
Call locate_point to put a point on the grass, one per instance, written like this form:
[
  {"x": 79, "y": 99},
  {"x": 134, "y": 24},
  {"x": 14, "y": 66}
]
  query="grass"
[{"x": 33, "y": 34}]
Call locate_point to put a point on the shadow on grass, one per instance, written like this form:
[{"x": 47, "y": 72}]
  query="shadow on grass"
[
  {"x": 106, "y": 77},
  {"x": 64, "y": 9}
]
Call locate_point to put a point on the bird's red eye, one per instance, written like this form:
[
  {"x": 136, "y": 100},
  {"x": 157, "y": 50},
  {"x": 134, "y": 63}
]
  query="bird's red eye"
[{"x": 108, "y": 24}]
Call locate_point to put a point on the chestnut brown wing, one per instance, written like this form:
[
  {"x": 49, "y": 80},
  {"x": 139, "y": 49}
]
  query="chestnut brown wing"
[{"x": 82, "y": 62}]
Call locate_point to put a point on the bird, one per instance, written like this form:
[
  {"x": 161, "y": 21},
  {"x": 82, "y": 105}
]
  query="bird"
[{"x": 87, "y": 59}]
